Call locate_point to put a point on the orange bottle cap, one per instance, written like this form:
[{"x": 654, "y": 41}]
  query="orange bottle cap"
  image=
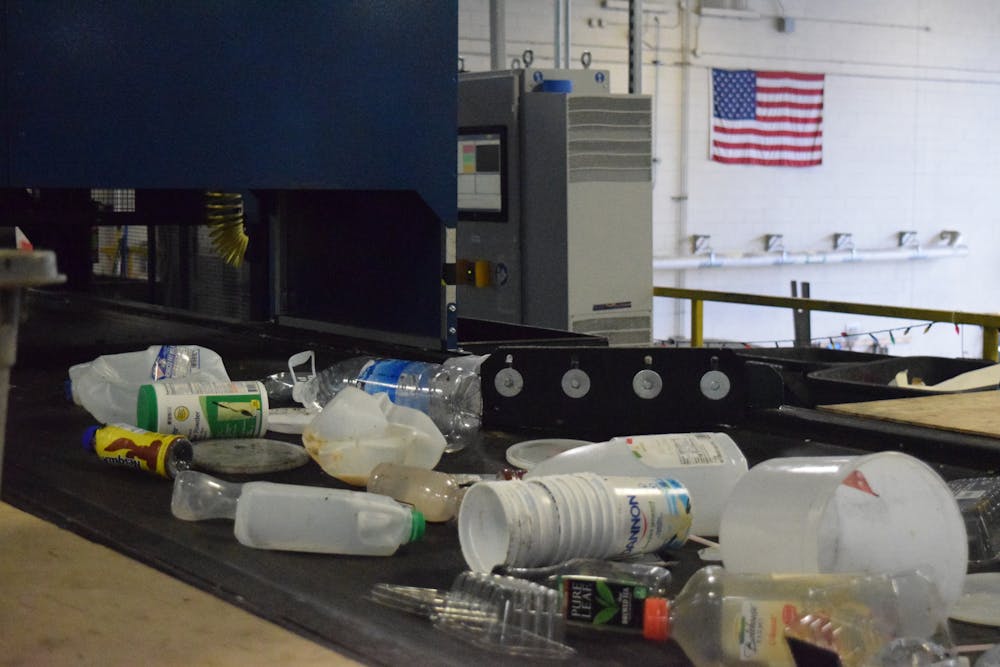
[{"x": 656, "y": 619}]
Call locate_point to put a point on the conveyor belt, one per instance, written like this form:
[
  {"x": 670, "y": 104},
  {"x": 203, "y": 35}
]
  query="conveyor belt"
[{"x": 322, "y": 597}]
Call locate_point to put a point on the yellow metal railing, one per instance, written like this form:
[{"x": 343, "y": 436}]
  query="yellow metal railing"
[{"x": 989, "y": 323}]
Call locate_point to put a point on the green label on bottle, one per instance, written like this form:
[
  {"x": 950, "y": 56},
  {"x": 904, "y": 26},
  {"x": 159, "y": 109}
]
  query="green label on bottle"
[{"x": 199, "y": 411}]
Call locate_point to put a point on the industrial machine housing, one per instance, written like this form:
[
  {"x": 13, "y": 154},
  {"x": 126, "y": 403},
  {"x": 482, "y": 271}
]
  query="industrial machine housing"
[{"x": 566, "y": 240}]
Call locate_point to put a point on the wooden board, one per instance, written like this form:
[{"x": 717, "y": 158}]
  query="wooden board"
[
  {"x": 68, "y": 601},
  {"x": 973, "y": 412}
]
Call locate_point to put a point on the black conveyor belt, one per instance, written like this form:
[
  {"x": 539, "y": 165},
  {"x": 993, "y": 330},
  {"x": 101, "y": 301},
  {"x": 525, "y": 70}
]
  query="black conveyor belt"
[{"x": 323, "y": 597}]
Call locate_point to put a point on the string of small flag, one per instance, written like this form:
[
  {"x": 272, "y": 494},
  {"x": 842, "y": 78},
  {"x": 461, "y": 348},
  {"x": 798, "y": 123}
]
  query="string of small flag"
[{"x": 831, "y": 340}]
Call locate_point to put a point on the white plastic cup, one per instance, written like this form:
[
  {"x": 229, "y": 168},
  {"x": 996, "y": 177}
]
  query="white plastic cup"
[
  {"x": 880, "y": 513},
  {"x": 583, "y": 515}
]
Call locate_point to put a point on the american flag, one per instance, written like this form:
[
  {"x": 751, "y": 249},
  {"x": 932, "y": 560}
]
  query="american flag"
[{"x": 769, "y": 118}]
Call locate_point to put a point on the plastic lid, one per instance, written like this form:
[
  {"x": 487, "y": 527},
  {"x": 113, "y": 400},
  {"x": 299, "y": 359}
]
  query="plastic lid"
[
  {"x": 146, "y": 416},
  {"x": 656, "y": 619},
  {"x": 528, "y": 454},
  {"x": 418, "y": 526},
  {"x": 980, "y": 601},
  {"x": 248, "y": 456},
  {"x": 88, "y": 437}
]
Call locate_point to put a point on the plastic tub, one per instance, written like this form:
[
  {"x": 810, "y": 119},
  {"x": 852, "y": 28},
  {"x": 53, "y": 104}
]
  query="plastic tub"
[{"x": 884, "y": 512}]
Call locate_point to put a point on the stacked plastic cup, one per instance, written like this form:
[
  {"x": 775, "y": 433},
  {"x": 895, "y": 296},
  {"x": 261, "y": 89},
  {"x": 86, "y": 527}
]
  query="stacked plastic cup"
[{"x": 582, "y": 515}]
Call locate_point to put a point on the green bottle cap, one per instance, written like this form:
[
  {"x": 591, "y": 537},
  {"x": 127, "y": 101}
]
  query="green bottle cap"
[{"x": 418, "y": 526}]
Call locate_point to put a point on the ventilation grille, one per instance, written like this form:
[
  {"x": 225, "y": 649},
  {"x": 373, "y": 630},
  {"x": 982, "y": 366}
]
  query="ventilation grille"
[{"x": 610, "y": 139}]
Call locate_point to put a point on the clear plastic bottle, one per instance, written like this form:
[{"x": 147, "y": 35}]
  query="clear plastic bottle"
[
  {"x": 436, "y": 495},
  {"x": 724, "y": 618},
  {"x": 449, "y": 392},
  {"x": 299, "y": 518},
  {"x": 708, "y": 464},
  {"x": 653, "y": 577},
  {"x": 605, "y": 594}
]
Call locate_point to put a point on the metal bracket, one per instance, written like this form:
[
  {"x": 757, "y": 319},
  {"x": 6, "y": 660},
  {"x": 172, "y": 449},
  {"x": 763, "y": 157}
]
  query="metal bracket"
[
  {"x": 700, "y": 244},
  {"x": 908, "y": 240},
  {"x": 843, "y": 241},
  {"x": 951, "y": 237},
  {"x": 774, "y": 242}
]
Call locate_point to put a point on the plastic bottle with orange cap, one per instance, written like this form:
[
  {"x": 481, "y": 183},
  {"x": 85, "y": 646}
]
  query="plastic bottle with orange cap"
[{"x": 722, "y": 618}]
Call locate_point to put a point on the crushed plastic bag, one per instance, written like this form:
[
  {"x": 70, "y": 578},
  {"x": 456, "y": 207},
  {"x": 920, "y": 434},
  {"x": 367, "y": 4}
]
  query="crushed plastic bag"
[
  {"x": 356, "y": 431},
  {"x": 108, "y": 386}
]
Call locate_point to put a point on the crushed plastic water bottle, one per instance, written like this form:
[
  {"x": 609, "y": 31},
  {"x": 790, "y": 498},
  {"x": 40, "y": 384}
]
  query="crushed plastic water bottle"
[{"x": 449, "y": 392}]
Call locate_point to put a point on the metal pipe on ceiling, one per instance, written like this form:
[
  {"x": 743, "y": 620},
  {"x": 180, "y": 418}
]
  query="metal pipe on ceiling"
[{"x": 714, "y": 260}]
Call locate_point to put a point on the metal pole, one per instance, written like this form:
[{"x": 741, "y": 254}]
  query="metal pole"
[
  {"x": 557, "y": 38},
  {"x": 697, "y": 323},
  {"x": 635, "y": 47},
  {"x": 566, "y": 33},
  {"x": 991, "y": 339},
  {"x": 498, "y": 35},
  {"x": 801, "y": 318}
]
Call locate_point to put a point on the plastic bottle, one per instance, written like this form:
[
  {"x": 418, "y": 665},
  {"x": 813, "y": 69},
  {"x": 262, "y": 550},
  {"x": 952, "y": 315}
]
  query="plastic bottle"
[
  {"x": 724, "y": 618},
  {"x": 449, "y": 392},
  {"x": 299, "y": 518},
  {"x": 603, "y": 594},
  {"x": 203, "y": 410},
  {"x": 130, "y": 447},
  {"x": 552, "y": 519},
  {"x": 107, "y": 386},
  {"x": 708, "y": 464},
  {"x": 653, "y": 577},
  {"x": 437, "y": 495}
]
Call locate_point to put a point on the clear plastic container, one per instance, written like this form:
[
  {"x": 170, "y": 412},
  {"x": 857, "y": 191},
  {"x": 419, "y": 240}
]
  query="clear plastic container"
[
  {"x": 881, "y": 512},
  {"x": 356, "y": 431},
  {"x": 299, "y": 518},
  {"x": 499, "y": 613},
  {"x": 979, "y": 502}
]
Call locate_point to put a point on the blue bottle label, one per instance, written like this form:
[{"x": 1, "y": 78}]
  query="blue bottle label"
[
  {"x": 382, "y": 376},
  {"x": 175, "y": 361}
]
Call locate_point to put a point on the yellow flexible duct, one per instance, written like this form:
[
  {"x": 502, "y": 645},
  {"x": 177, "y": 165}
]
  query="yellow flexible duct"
[{"x": 224, "y": 215}]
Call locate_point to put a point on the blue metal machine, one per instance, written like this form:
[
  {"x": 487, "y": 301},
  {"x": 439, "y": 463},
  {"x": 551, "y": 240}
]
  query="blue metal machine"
[{"x": 339, "y": 116}]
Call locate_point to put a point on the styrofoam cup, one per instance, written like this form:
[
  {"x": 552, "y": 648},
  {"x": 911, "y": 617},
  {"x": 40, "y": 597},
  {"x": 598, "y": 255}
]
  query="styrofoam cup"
[{"x": 883, "y": 512}]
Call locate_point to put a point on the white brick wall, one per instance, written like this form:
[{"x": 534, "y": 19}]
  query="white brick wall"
[{"x": 912, "y": 105}]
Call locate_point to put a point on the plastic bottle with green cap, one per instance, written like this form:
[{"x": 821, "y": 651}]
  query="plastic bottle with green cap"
[{"x": 293, "y": 517}]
